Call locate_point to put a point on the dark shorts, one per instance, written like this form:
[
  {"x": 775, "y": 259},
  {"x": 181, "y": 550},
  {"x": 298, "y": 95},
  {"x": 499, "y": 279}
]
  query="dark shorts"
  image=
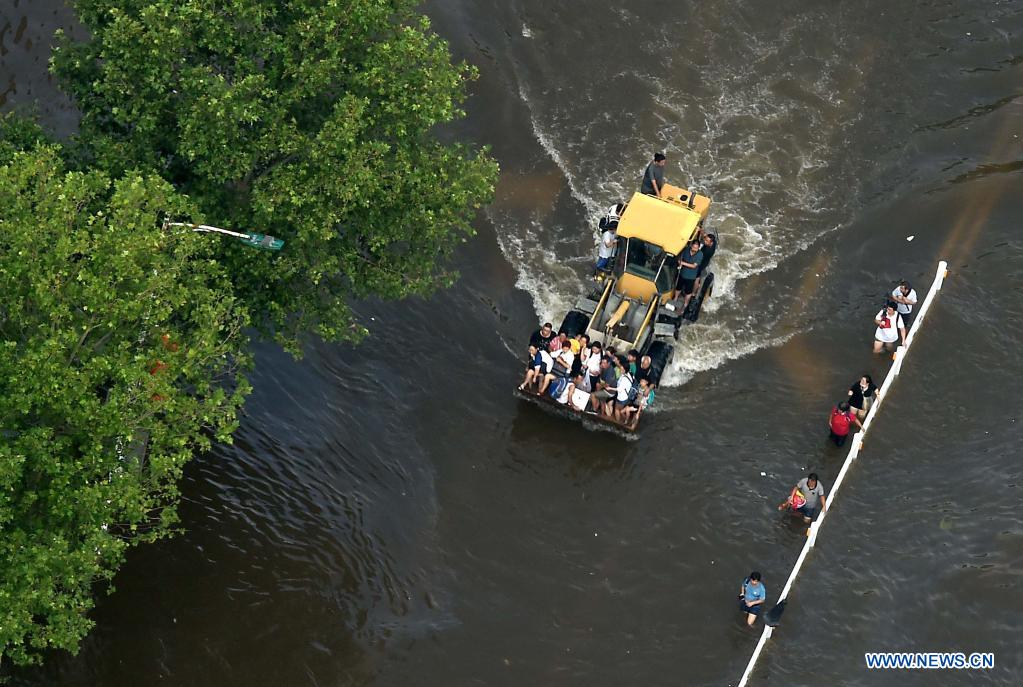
[
  {"x": 807, "y": 511},
  {"x": 603, "y": 395},
  {"x": 603, "y": 263},
  {"x": 839, "y": 439},
  {"x": 752, "y": 610},
  {"x": 685, "y": 285}
]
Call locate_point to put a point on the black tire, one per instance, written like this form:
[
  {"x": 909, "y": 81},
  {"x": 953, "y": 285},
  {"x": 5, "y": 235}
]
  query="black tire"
[
  {"x": 696, "y": 305},
  {"x": 574, "y": 323},
  {"x": 660, "y": 353}
]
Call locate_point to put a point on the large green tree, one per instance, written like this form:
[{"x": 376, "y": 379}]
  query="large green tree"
[
  {"x": 312, "y": 120},
  {"x": 119, "y": 350}
]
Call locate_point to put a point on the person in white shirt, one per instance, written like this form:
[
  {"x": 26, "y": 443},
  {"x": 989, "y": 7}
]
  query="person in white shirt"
[
  {"x": 625, "y": 396},
  {"x": 615, "y": 212},
  {"x": 575, "y": 394},
  {"x": 904, "y": 296},
  {"x": 562, "y": 366},
  {"x": 606, "y": 249},
  {"x": 890, "y": 329}
]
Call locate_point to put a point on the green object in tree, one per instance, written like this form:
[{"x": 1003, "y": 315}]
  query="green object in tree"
[
  {"x": 316, "y": 118},
  {"x": 264, "y": 242}
]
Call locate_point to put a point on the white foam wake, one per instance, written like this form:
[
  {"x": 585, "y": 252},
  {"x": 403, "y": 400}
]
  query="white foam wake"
[{"x": 761, "y": 156}]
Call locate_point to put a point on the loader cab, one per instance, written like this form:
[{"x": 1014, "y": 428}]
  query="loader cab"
[
  {"x": 652, "y": 233},
  {"x": 648, "y": 262}
]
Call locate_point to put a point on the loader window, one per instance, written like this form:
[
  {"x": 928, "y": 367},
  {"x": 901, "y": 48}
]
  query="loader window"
[
  {"x": 666, "y": 277},
  {"x": 643, "y": 259}
]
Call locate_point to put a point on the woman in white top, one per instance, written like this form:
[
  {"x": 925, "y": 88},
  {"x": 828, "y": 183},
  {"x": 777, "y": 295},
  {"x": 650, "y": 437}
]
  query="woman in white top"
[
  {"x": 890, "y": 329},
  {"x": 624, "y": 397},
  {"x": 562, "y": 366}
]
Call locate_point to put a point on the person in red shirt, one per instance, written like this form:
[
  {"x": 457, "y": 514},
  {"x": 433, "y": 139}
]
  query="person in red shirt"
[{"x": 841, "y": 421}]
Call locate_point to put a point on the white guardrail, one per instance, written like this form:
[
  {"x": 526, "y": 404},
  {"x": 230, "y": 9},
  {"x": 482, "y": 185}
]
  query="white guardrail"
[{"x": 854, "y": 451}]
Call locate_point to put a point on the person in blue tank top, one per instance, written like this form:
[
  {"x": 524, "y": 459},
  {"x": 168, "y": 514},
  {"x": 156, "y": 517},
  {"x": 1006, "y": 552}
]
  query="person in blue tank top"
[{"x": 752, "y": 595}]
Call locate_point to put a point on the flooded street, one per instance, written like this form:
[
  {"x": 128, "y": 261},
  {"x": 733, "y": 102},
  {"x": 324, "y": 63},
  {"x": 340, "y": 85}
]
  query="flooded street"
[{"x": 389, "y": 515}]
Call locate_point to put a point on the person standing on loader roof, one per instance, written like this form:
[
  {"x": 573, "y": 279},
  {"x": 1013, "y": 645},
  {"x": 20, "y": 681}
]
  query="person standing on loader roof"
[{"x": 653, "y": 177}]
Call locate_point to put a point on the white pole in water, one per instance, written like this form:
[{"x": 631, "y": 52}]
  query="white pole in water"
[{"x": 854, "y": 451}]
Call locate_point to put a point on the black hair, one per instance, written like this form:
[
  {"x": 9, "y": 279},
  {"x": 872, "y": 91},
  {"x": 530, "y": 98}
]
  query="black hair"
[
  {"x": 755, "y": 575},
  {"x": 547, "y": 324},
  {"x": 903, "y": 282},
  {"x": 867, "y": 377},
  {"x": 843, "y": 406},
  {"x": 891, "y": 304},
  {"x": 659, "y": 156},
  {"x": 633, "y": 353},
  {"x": 812, "y": 476}
]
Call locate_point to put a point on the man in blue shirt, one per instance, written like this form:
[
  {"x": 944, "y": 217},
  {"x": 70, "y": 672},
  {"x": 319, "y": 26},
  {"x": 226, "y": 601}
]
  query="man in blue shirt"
[
  {"x": 689, "y": 269},
  {"x": 752, "y": 595}
]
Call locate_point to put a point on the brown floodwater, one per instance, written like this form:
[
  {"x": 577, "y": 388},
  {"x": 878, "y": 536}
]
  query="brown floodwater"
[{"x": 390, "y": 515}]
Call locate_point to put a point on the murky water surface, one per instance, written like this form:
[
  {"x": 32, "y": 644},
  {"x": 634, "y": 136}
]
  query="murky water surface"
[{"x": 390, "y": 515}]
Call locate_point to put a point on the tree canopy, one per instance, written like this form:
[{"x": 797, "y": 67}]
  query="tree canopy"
[
  {"x": 122, "y": 339},
  {"x": 119, "y": 349},
  {"x": 312, "y": 120}
]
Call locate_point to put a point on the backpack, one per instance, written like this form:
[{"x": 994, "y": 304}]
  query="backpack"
[
  {"x": 557, "y": 388},
  {"x": 633, "y": 390},
  {"x": 607, "y": 223}
]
